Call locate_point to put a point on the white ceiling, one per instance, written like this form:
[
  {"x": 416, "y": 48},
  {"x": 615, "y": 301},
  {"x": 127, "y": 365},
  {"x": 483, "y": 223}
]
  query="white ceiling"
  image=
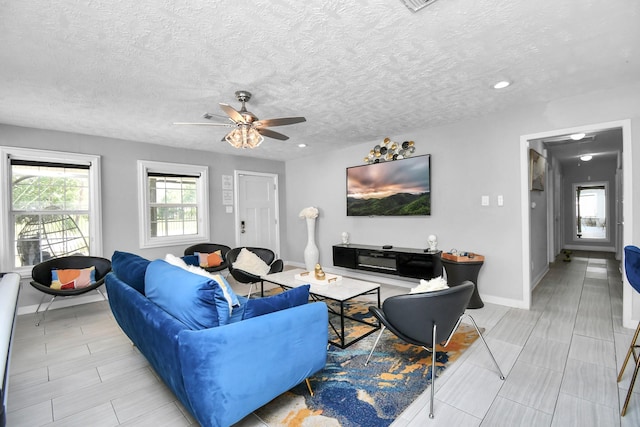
[{"x": 358, "y": 71}]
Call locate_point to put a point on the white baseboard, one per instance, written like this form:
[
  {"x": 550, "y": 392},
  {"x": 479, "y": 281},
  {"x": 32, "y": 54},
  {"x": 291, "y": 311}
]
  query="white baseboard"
[
  {"x": 507, "y": 302},
  {"x": 62, "y": 302},
  {"x": 536, "y": 280},
  {"x": 590, "y": 248}
]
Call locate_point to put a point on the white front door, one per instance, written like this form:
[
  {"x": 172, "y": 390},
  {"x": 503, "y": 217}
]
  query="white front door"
[{"x": 257, "y": 217}]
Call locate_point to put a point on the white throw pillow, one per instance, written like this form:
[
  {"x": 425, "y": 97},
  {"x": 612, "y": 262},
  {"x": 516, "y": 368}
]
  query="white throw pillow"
[
  {"x": 251, "y": 263},
  {"x": 436, "y": 284}
]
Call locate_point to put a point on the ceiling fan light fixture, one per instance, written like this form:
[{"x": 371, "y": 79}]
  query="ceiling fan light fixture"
[{"x": 244, "y": 136}]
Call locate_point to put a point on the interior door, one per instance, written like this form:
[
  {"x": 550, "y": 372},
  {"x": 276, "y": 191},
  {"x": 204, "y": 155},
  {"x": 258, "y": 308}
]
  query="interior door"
[{"x": 257, "y": 217}]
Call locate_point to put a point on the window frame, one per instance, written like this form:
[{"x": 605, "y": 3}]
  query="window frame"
[
  {"x": 7, "y": 255},
  {"x": 202, "y": 196}
]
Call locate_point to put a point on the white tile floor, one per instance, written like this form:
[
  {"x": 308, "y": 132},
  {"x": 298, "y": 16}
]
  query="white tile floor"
[{"x": 561, "y": 360}]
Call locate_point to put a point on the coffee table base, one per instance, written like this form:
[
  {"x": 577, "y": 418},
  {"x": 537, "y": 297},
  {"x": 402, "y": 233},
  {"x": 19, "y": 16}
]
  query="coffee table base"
[
  {"x": 340, "y": 333},
  {"x": 340, "y": 329}
]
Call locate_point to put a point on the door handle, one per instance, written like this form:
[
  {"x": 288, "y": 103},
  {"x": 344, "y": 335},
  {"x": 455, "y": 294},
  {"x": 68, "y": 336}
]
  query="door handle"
[{"x": 242, "y": 227}]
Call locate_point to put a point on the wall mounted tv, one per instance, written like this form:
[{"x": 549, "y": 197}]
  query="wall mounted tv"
[{"x": 394, "y": 188}]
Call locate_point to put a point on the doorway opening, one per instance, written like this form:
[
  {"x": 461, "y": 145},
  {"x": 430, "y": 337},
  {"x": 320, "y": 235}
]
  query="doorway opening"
[
  {"x": 539, "y": 245},
  {"x": 590, "y": 216}
]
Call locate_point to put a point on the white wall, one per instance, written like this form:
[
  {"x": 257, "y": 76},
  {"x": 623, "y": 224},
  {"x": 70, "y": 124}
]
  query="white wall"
[
  {"x": 119, "y": 185},
  {"x": 469, "y": 159}
]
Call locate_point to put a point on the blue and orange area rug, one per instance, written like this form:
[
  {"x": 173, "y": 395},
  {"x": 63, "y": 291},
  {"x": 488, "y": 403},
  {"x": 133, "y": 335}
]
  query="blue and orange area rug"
[{"x": 348, "y": 394}]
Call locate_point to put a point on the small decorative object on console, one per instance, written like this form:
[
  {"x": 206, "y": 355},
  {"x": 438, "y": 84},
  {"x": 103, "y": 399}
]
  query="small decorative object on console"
[
  {"x": 432, "y": 241},
  {"x": 345, "y": 237},
  {"x": 319, "y": 273}
]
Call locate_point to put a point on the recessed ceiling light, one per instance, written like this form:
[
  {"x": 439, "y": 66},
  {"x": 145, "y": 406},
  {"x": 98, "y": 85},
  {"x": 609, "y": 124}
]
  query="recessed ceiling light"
[
  {"x": 302, "y": 145},
  {"x": 502, "y": 84},
  {"x": 577, "y": 136},
  {"x": 586, "y": 157}
]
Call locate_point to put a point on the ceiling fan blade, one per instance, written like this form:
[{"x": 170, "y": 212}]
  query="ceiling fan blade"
[
  {"x": 211, "y": 116},
  {"x": 204, "y": 124},
  {"x": 271, "y": 134},
  {"x": 280, "y": 122},
  {"x": 233, "y": 113}
]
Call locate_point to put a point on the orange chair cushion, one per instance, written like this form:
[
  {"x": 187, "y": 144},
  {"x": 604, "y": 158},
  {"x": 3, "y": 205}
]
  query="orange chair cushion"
[
  {"x": 73, "y": 278},
  {"x": 209, "y": 260}
]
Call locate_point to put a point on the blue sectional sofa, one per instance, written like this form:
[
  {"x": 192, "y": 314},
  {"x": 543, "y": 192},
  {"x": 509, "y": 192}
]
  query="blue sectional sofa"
[{"x": 219, "y": 373}]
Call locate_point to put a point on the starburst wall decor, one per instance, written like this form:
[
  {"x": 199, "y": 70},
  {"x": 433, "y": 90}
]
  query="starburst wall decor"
[{"x": 390, "y": 150}]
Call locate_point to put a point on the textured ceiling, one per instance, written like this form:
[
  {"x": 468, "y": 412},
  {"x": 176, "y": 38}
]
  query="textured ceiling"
[{"x": 358, "y": 71}]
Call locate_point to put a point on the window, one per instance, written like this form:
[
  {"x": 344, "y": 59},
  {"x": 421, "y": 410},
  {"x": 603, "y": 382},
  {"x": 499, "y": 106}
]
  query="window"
[
  {"x": 173, "y": 203},
  {"x": 52, "y": 206},
  {"x": 591, "y": 211}
]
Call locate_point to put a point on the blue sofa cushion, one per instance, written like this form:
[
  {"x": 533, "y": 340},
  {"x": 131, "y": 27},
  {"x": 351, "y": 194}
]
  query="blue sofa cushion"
[
  {"x": 130, "y": 268},
  {"x": 290, "y": 298},
  {"x": 195, "y": 300}
]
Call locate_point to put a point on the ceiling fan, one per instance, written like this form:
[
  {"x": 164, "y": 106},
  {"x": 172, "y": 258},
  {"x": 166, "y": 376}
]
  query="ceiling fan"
[{"x": 249, "y": 130}]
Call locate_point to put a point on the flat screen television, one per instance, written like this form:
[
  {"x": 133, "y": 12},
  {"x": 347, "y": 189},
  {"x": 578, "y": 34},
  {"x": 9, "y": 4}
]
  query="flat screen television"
[{"x": 394, "y": 188}]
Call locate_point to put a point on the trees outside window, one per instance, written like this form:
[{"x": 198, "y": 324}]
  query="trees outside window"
[{"x": 53, "y": 206}]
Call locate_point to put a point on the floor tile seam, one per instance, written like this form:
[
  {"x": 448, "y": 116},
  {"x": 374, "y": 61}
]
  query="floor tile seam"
[
  {"x": 615, "y": 352},
  {"x": 526, "y": 406},
  {"x": 453, "y": 405},
  {"x": 564, "y": 370},
  {"x": 592, "y": 363},
  {"x": 591, "y": 402}
]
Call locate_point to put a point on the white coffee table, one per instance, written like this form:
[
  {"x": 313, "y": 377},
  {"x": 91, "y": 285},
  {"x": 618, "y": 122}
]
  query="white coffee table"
[{"x": 340, "y": 292}]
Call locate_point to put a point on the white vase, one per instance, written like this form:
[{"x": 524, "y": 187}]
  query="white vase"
[{"x": 311, "y": 253}]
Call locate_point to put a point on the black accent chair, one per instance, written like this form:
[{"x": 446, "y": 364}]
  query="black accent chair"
[
  {"x": 267, "y": 255},
  {"x": 426, "y": 319},
  {"x": 41, "y": 274},
  {"x": 209, "y": 248},
  {"x": 632, "y": 270}
]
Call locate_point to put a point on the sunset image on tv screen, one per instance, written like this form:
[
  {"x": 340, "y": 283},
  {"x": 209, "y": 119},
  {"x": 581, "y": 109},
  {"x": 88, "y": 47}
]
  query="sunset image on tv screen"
[{"x": 400, "y": 187}]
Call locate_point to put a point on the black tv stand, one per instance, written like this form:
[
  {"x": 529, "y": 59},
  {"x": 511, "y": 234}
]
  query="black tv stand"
[{"x": 404, "y": 262}]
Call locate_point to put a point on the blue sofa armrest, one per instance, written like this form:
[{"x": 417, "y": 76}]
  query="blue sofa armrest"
[{"x": 232, "y": 370}]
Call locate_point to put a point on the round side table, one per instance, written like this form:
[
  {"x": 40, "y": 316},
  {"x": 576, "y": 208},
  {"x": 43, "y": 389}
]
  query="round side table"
[{"x": 458, "y": 272}]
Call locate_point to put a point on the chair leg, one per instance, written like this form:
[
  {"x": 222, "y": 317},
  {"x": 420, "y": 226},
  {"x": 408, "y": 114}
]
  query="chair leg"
[
  {"x": 485, "y": 345},
  {"x": 250, "y": 290},
  {"x": 38, "y": 309},
  {"x": 375, "y": 344},
  {"x": 309, "y": 386},
  {"x": 630, "y": 351},
  {"x": 45, "y": 310},
  {"x": 636, "y": 358},
  {"x": 433, "y": 371},
  {"x": 101, "y": 294}
]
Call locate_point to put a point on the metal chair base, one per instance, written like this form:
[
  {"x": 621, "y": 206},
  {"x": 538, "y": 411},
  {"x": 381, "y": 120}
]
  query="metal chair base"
[
  {"x": 636, "y": 357},
  {"x": 38, "y": 319},
  {"x": 433, "y": 357}
]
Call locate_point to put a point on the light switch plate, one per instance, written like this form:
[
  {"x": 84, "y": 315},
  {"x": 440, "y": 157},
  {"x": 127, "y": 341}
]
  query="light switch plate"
[
  {"x": 229, "y": 209},
  {"x": 485, "y": 200},
  {"x": 500, "y": 200}
]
